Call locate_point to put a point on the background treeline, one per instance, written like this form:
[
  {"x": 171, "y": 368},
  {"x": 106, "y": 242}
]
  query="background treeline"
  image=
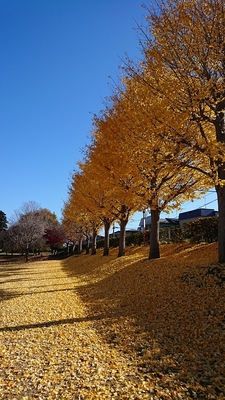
[
  {"x": 31, "y": 229},
  {"x": 37, "y": 230}
]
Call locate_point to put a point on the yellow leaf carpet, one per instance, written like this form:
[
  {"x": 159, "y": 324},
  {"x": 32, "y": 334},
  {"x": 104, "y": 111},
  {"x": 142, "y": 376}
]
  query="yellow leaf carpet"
[{"x": 94, "y": 327}]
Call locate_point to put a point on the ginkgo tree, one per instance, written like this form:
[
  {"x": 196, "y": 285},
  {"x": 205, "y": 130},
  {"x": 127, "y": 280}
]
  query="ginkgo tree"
[
  {"x": 74, "y": 233},
  {"x": 103, "y": 189},
  {"x": 184, "y": 53},
  {"x": 152, "y": 157},
  {"x": 111, "y": 158},
  {"x": 98, "y": 194},
  {"x": 80, "y": 210},
  {"x": 152, "y": 170},
  {"x": 89, "y": 200}
]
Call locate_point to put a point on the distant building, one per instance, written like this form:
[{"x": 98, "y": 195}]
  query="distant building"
[
  {"x": 193, "y": 215},
  {"x": 184, "y": 217},
  {"x": 163, "y": 223},
  {"x": 128, "y": 232}
]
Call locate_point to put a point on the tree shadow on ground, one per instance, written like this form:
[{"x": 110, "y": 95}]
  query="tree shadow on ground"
[
  {"x": 47, "y": 324},
  {"x": 173, "y": 327}
]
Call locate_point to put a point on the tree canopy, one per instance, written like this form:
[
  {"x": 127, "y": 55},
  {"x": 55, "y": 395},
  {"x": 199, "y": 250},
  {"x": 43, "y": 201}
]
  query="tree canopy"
[{"x": 161, "y": 138}]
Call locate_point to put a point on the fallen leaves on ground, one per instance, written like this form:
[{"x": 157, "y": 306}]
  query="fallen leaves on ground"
[{"x": 94, "y": 327}]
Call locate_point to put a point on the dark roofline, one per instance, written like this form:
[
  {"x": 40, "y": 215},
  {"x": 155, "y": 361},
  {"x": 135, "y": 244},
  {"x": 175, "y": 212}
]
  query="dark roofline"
[{"x": 198, "y": 212}]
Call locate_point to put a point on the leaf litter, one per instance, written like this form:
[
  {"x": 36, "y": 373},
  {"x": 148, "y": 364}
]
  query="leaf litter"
[{"x": 94, "y": 327}]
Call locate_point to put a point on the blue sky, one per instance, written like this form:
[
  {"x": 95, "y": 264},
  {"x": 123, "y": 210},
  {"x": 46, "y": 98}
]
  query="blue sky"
[{"x": 55, "y": 63}]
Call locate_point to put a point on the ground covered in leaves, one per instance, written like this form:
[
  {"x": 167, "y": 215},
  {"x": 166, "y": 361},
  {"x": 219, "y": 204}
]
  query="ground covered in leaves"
[{"x": 94, "y": 327}]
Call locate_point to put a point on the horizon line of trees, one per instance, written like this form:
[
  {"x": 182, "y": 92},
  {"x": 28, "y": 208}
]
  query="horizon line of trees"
[
  {"x": 160, "y": 140},
  {"x": 24, "y": 235}
]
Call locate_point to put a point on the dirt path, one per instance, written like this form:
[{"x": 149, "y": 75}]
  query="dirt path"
[{"x": 49, "y": 349}]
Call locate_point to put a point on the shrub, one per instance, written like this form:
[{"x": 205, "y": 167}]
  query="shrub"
[{"x": 203, "y": 229}]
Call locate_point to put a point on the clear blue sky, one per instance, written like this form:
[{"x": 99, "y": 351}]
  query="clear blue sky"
[{"x": 56, "y": 57}]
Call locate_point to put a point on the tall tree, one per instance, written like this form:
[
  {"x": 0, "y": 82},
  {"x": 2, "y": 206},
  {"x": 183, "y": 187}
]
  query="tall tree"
[
  {"x": 3, "y": 221},
  {"x": 80, "y": 208},
  {"x": 98, "y": 193},
  {"x": 111, "y": 155},
  {"x": 156, "y": 175},
  {"x": 186, "y": 46},
  {"x": 73, "y": 233}
]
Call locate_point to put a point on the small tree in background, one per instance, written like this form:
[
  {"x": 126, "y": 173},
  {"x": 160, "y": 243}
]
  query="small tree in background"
[
  {"x": 204, "y": 229},
  {"x": 28, "y": 227},
  {"x": 54, "y": 238}
]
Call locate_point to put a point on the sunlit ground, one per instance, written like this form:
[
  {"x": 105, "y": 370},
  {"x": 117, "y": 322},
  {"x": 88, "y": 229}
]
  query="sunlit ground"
[{"x": 94, "y": 327}]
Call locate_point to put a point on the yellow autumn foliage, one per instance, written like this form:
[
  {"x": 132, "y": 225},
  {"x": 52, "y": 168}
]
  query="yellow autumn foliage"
[{"x": 94, "y": 327}]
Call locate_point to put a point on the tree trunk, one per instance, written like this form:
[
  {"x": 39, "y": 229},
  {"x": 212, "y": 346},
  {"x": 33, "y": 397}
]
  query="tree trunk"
[
  {"x": 68, "y": 248},
  {"x": 106, "y": 240},
  {"x": 220, "y": 189},
  {"x": 221, "y": 223},
  {"x": 122, "y": 241},
  {"x": 88, "y": 244},
  {"x": 154, "y": 235},
  {"x": 94, "y": 240},
  {"x": 27, "y": 253},
  {"x": 79, "y": 248}
]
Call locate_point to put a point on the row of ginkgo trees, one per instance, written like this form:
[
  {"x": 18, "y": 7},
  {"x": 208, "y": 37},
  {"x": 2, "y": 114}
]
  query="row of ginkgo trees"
[{"x": 161, "y": 140}]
